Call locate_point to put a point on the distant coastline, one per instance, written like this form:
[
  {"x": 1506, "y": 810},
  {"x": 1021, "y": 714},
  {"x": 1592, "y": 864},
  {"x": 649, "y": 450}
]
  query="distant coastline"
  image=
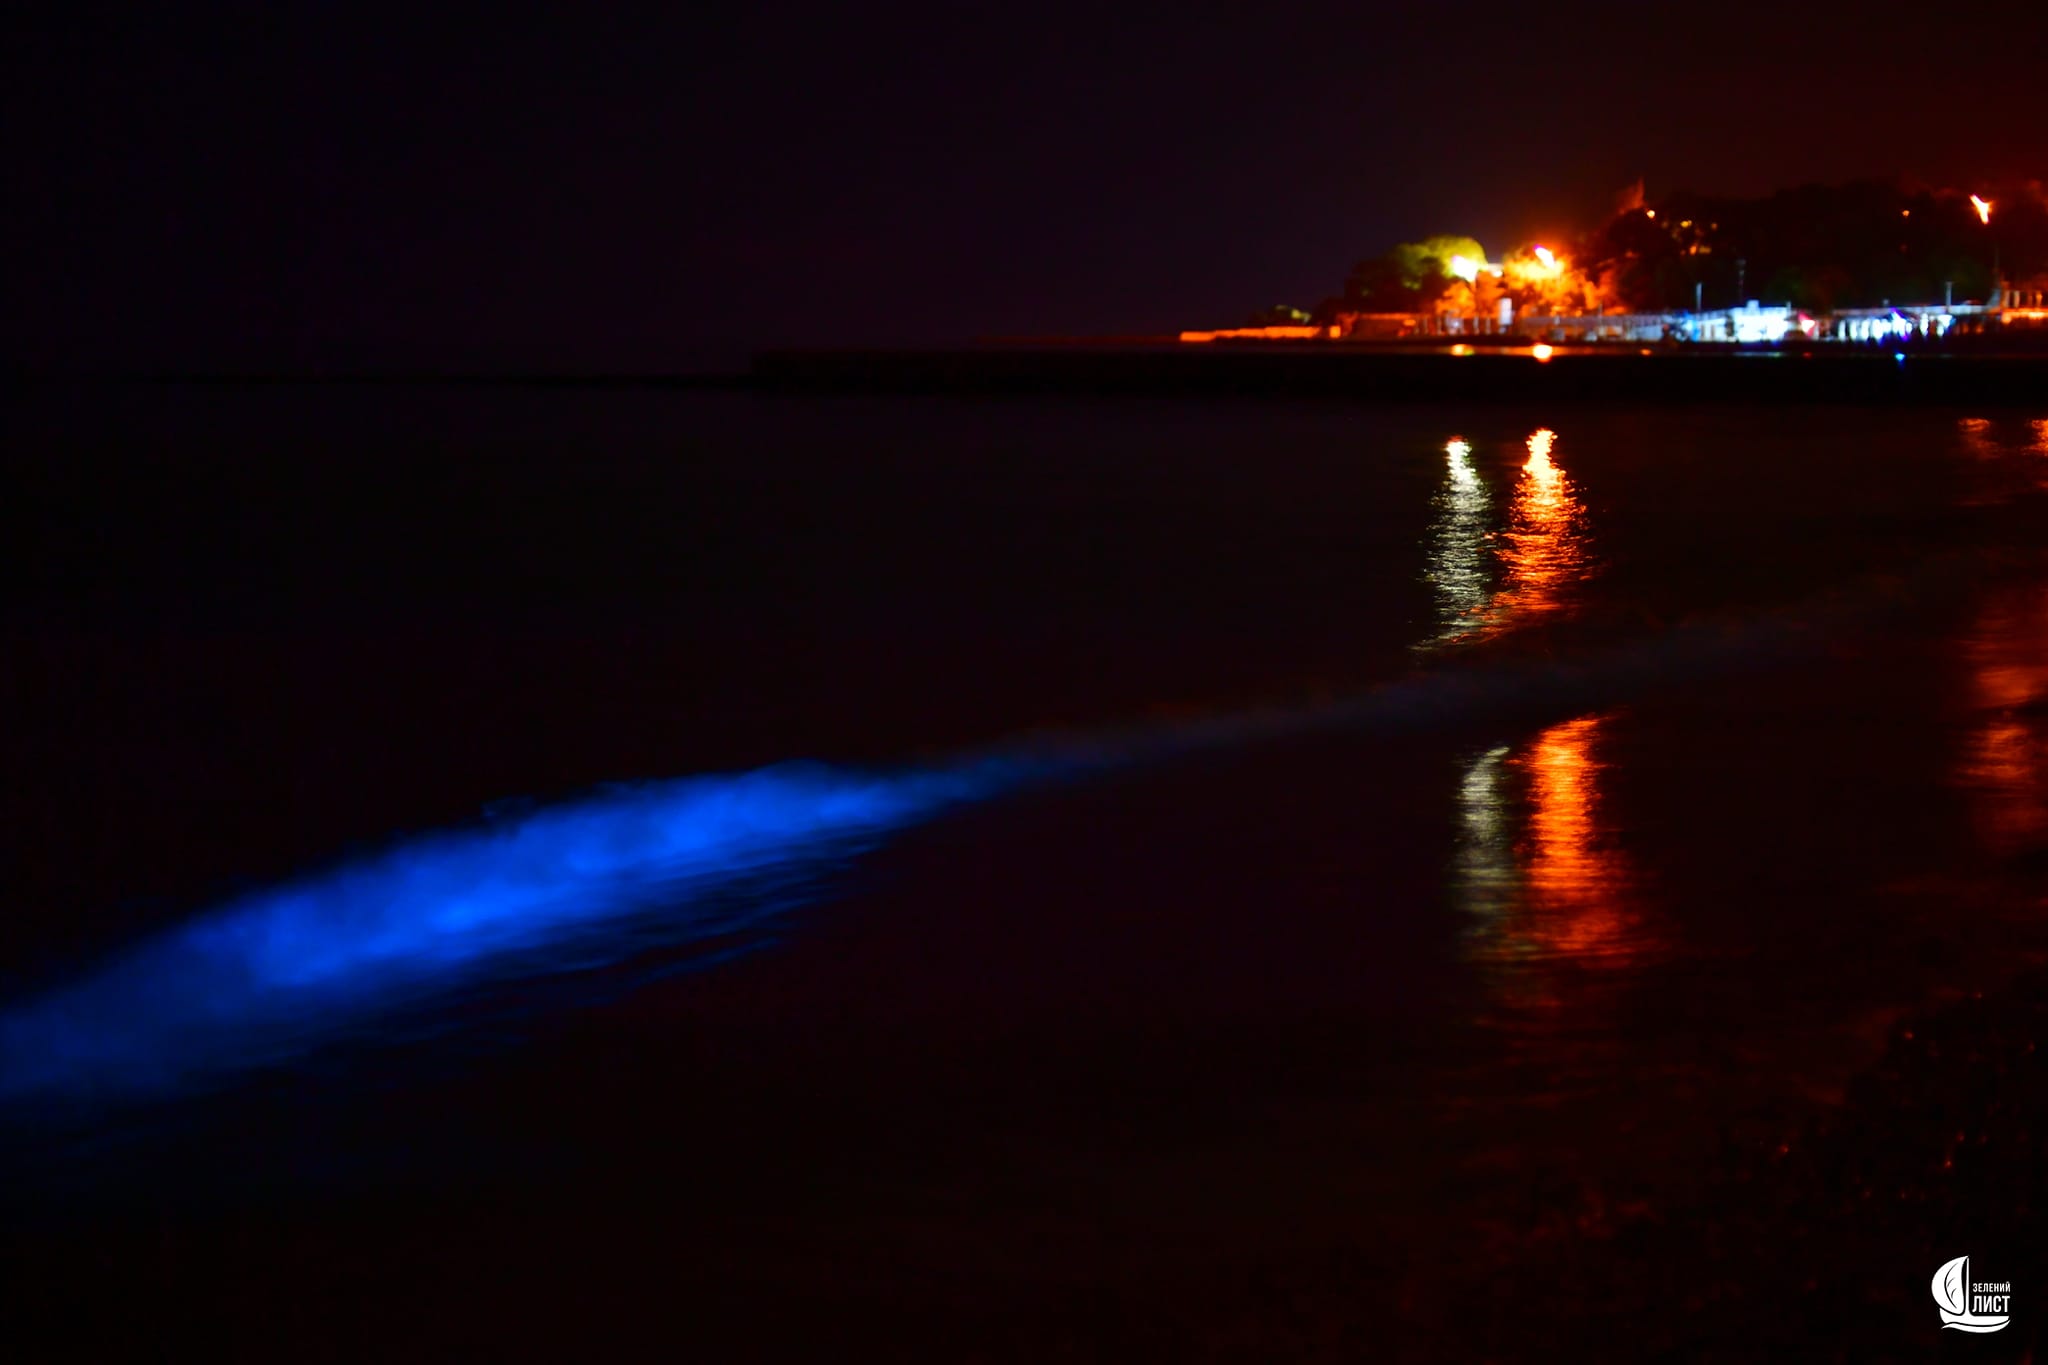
[{"x": 1506, "y": 371}]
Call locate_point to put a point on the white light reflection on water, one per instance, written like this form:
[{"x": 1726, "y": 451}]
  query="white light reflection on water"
[
  {"x": 1536, "y": 869},
  {"x": 1460, "y": 565},
  {"x": 1488, "y": 579},
  {"x": 1486, "y": 877}
]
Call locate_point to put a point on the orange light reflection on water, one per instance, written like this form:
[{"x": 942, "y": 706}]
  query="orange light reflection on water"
[
  {"x": 1543, "y": 551},
  {"x": 2009, "y": 451},
  {"x": 1550, "y": 891},
  {"x": 1485, "y": 580},
  {"x": 2003, "y": 762},
  {"x": 1574, "y": 877}
]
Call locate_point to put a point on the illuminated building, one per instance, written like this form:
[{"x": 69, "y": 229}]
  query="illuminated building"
[{"x": 2023, "y": 303}]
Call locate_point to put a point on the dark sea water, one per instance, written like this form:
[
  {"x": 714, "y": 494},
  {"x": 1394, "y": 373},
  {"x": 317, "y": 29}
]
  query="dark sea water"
[{"x": 1229, "y": 835}]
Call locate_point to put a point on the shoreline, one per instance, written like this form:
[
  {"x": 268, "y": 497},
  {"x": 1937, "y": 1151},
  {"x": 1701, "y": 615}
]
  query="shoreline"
[
  {"x": 1989, "y": 372},
  {"x": 1475, "y": 375}
]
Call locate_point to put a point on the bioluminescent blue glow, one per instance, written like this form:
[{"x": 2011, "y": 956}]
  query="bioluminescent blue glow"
[
  {"x": 703, "y": 863},
  {"x": 266, "y": 977}
]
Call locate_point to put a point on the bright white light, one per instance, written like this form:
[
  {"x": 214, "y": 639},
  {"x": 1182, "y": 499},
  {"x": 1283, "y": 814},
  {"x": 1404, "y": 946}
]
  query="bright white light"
[
  {"x": 1983, "y": 207},
  {"x": 1547, "y": 256},
  {"x": 1460, "y": 546},
  {"x": 1465, "y": 268},
  {"x": 1761, "y": 324},
  {"x": 1462, "y": 473}
]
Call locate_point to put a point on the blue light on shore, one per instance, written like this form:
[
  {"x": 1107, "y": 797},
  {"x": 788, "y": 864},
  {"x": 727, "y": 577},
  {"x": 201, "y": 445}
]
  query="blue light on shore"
[{"x": 270, "y": 976}]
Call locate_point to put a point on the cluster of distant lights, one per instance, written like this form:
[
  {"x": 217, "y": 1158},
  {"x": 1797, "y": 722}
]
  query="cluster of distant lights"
[{"x": 1549, "y": 265}]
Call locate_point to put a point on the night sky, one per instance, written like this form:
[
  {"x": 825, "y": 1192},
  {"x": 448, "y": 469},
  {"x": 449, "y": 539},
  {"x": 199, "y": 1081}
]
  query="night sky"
[{"x": 323, "y": 186}]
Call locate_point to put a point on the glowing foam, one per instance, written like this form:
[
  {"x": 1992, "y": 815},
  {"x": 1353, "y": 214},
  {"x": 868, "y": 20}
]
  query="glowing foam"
[{"x": 268, "y": 976}]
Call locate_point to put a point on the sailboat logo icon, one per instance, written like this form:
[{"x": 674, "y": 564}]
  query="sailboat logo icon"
[{"x": 1968, "y": 1306}]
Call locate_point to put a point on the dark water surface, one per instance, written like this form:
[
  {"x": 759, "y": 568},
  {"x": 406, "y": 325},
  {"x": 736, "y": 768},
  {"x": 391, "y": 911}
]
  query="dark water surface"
[{"x": 1413, "y": 834}]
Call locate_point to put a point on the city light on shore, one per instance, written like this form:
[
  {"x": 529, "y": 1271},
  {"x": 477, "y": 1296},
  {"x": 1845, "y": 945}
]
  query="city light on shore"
[{"x": 1890, "y": 267}]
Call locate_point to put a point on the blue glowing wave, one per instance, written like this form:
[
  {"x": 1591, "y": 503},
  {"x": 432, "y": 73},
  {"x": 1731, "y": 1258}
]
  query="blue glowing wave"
[
  {"x": 271, "y": 976},
  {"x": 267, "y": 977}
]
